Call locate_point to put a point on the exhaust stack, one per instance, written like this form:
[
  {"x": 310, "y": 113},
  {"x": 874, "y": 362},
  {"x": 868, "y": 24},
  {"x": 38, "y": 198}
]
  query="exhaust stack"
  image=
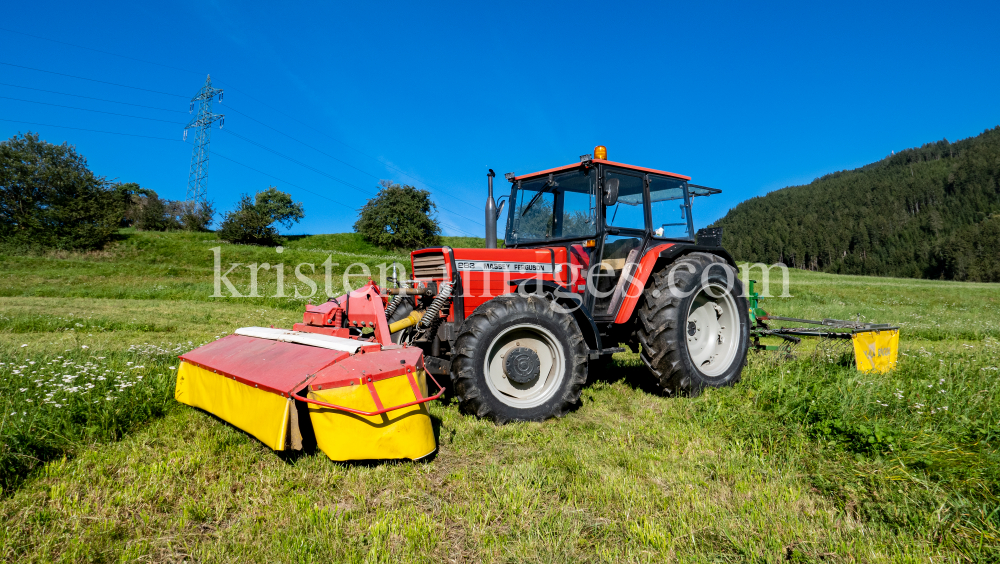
[{"x": 491, "y": 214}]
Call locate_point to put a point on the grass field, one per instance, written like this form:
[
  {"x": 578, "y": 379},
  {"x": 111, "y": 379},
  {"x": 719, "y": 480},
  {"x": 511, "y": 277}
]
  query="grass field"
[{"x": 805, "y": 460}]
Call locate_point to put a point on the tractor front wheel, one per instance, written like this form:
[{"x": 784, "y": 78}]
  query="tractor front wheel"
[
  {"x": 518, "y": 359},
  {"x": 693, "y": 325}
]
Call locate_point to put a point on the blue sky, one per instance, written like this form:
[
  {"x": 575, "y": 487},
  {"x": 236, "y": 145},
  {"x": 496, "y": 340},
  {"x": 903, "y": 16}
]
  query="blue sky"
[{"x": 742, "y": 96}]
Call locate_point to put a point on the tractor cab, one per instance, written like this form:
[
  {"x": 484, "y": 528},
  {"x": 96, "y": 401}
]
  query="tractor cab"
[{"x": 604, "y": 213}]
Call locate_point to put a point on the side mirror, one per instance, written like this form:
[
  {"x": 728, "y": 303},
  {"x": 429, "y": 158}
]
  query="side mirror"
[
  {"x": 610, "y": 192},
  {"x": 500, "y": 209}
]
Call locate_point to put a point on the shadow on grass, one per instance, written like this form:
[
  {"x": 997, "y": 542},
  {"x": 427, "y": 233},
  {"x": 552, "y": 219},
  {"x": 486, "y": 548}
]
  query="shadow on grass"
[
  {"x": 635, "y": 377},
  {"x": 310, "y": 447}
]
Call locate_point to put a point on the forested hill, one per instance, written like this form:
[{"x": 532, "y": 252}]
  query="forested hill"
[{"x": 932, "y": 212}]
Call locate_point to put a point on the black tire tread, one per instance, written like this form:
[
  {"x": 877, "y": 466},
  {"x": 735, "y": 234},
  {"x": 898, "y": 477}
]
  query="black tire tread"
[
  {"x": 492, "y": 314},
  {"x": 658, "y": 315}
]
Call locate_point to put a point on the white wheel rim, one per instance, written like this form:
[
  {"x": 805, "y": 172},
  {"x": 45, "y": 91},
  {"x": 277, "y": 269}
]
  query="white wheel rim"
[
  {"x": 552, "y": 364},
  {"x": 712, "y": 330}
]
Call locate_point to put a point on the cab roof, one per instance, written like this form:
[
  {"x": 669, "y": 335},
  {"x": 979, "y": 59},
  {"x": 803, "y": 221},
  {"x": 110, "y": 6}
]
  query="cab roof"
[{"x": 600, "y": 161}]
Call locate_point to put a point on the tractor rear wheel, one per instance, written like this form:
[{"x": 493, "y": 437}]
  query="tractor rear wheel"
[
  {"x": 517, "y": 359},
  {"x": 694, "y": 325}
]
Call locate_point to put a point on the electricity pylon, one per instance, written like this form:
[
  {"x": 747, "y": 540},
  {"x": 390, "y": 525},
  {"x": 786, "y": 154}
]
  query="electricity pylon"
[{"x": 197, "y": 190}]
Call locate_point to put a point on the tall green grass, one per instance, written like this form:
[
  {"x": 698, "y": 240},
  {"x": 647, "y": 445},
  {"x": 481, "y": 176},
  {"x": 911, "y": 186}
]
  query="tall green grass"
[
  {"x": 927, "y": 432},
  {"x": 56, "y": 405},
  {"x": 77, "y": 372}
]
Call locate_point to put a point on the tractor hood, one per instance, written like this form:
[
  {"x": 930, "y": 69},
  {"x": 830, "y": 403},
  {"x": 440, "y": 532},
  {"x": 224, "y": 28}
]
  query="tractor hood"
[{"x": 484, "y": 273}]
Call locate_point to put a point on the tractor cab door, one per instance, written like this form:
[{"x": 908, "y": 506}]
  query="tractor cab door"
[{"x": 618, "y": 253}]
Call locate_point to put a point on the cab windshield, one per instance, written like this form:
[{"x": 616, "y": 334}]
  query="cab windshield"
[{"x": 560, "y": 206}]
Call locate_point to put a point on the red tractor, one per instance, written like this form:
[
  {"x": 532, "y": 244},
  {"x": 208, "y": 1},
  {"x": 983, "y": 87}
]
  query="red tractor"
[{"x": 596, "y": 253}]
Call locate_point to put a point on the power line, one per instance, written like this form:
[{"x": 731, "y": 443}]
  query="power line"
[
  {"x": 92, "y": 80},
  {"x": 322, "y": 173},
  {"x": 174, "y": 140},
  {"x": 191, "y": 71},
  {"x": 98, "y": 50},
  {"x": 154, "y": 119},
  {"x": 400, "y": 171},
  {"x": 328, "y": 136},
  {"x": 338, "y": 202},
  {"x": 89, "y": 110},
  {"x": 221, "y": 156},
  {"x": 298, "y": 162},
  {"x": 230, "y": 108},
  {"x": 318, "y": 171},
  {"x": 91, "y": 98},
  {"x": 93, "y": 130},
  {"x": 320, "y": 151},
  {"x": 232, "y": 88}
]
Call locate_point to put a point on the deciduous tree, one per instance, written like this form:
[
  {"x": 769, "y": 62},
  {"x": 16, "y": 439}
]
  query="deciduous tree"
[
  {"x": 49, "y": 198},
  {"x": 252, "y": 222},
  {"x": 399, "y": 217}
]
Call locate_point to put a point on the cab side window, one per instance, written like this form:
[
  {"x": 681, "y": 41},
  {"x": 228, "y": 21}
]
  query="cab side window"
[
  {"x": 628, "y": 212},
  {"x": 669, "y": 206},
  {"x": 575, "y": 205}
]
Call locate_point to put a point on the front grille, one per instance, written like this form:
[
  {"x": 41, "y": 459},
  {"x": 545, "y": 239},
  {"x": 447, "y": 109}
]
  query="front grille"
[{"x": 430, "y": 265}]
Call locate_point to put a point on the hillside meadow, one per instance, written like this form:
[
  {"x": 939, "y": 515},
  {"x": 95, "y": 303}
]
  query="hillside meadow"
[{"x": 805, "y": 460}]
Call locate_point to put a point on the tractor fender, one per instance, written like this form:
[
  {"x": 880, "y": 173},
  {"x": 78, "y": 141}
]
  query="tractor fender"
[
  {"x": 570, "y": 301},
  {"x": 653, "y": 260}
]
